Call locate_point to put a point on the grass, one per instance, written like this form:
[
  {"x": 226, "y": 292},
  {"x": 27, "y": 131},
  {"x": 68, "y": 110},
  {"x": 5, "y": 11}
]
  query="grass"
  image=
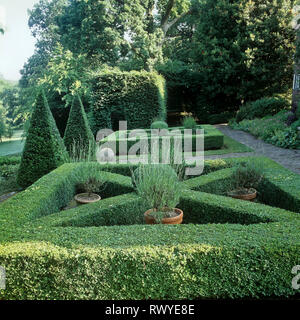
[
  {"x": 13, "y": 145},
  {"x": 230, "y": 146}
]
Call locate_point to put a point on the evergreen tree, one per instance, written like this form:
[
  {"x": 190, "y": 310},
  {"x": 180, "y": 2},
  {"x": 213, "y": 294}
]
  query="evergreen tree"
[
  {"x": 79, "y": 139},
  {"x": 44, "y": 149}
]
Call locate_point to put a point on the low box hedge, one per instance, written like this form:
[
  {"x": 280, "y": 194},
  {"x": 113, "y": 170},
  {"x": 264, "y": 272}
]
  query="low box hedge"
[
  {"x": 227, "y": 248},
  {"x": 213, "y": 139},
  {"x": 6, "y": 160}
]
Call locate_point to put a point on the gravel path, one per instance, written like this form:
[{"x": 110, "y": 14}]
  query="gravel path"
[{"x": 288, "y": 158}]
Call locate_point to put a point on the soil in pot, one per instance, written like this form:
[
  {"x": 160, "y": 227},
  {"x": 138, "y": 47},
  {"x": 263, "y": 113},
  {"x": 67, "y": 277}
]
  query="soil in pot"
[
  {"x": 243, "y": 194},
  {"x": 174, "y": 216}
]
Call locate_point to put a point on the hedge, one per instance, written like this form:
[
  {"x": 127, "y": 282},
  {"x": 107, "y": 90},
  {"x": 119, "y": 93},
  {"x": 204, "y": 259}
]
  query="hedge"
[
  {"x": 9, "y": 160},
  {"x": 227, "y": 248},
  {"x": 213, "y": 139},
  {"x": 261, "y": 108},
  {"x": 137, "y": 97}
]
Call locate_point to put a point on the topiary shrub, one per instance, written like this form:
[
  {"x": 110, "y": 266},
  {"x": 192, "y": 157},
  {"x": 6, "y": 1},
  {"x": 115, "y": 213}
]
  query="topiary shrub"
[
  {"x": 138, "y": 96},
  {"x": 44, "y": 149},
  {"x": 79, "y": 139},
  {"x": 159, "y": 125},
  {"x": 261, "y": 108}
]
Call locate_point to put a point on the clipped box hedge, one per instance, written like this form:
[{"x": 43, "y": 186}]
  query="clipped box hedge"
[
  {"x": 213, "y": 139},
  {"x": 137, "y": 97},
  {"x": 227, "y": 248}
]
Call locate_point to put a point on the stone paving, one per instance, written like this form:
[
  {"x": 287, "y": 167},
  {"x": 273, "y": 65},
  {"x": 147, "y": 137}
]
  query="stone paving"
[{"x": 288, "y": 158}]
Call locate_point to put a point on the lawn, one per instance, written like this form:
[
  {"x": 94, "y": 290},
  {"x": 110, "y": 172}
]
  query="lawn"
[{"x": 13, "y": 145}]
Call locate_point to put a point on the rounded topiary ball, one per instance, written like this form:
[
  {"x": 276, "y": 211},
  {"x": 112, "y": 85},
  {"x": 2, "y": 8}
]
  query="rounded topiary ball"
[{"x": 159, "y": 125}]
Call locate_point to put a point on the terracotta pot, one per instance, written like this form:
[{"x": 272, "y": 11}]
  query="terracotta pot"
[
  {"x": 85, "y": 198},
  {"x": 174, "y": 220},
  {"x": 249, "y": 196}
]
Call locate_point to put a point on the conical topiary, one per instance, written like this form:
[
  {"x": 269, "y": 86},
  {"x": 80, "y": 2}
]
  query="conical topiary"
[
  {"x": 79, "y": 139},
  {"x": 44, "y": 149}
]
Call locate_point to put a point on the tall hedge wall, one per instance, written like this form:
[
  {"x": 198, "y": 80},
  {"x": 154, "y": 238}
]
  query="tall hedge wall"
[{"x": 137, "y": 97}]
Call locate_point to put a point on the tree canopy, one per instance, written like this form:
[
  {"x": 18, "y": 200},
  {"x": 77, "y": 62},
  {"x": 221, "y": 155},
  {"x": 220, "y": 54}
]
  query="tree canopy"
[{"x": 216, "y": 54}]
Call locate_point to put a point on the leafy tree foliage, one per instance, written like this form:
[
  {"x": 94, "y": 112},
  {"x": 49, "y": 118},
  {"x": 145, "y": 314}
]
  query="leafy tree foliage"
[{"x": 215, "y": 54}]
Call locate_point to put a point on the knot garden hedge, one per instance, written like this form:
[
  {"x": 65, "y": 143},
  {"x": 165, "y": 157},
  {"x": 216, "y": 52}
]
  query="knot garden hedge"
[{"x": 226, "y": 247}]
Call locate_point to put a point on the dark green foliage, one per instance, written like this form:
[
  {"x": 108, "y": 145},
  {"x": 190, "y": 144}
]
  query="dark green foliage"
[
  {"x": 229, "y": 51},
  {"x": 223, "y": 117},
  {"x": 9, "y": 160},
  {"x": 44, "y": 149},
  {"x": 79, "y": 139},
  {"x": 159, "y": 125},
  {"x": 137, "y": 97},
  {"x": 261, "y": 108},
  {"x": 298, "y": 111}
]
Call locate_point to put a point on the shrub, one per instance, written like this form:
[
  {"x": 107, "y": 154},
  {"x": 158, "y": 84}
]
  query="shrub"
[
  {"x": 78, "y": 138},
  {"x": 44, "y": 149},
  {"x": 189, "y": 123},
  {"x": 137, "y": 97},
  {"x": 272, "y": 129},
  {"x": 261, "y": 108},
  {"x": 157, "y": 185},
  {"x": 159, "y": 125},
  {"x": 298, "y": 111},
  {"x": 287, "y": 138},
  {"x": 295, "y": 124},
  {"x": 223, "y": 117}
]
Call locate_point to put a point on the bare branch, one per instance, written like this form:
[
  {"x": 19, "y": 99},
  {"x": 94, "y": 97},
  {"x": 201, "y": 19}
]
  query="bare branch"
[
  {"x": 166, "y": 26},
  {"x": 166, "y": 16}
]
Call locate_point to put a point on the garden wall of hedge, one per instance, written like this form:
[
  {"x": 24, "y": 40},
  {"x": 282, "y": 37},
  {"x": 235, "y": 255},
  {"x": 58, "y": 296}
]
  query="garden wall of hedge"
[{"x": 137, "y": 97}]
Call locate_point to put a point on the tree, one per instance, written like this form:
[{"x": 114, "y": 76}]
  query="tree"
[
  {"x": 10, "y": 97},
  {"x": 3, "y": 122},
  {"x": 78, "y": 138},
  {"x": 44, "y": 149},
  {"x": 216, "y": 54},
  {"x": 230, "y": 52}
]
